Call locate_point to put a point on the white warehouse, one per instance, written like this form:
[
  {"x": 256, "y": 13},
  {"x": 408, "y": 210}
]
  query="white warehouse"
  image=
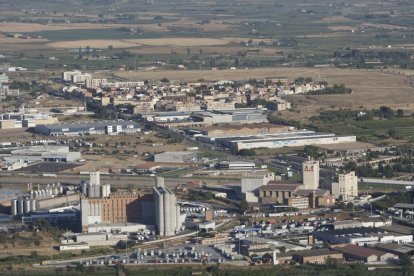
[{"x": 282, "y": 139}]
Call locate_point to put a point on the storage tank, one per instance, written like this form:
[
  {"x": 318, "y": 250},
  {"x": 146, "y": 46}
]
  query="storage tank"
[
  {"x": 84, "y": 188},
  {"x": 106, "y": 190},
  {"x": 97, "y": 191},
  {"x": 60, "y": 188},
  {"x": 33, "y": 204},
  {"x": 13, "y": 207},
  {"x": 27, "y": 205},
  {"x": 20, "y": 206}
]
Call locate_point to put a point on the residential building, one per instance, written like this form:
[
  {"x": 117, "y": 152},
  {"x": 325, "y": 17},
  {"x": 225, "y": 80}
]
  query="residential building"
[{"x": 347, "y": 186}]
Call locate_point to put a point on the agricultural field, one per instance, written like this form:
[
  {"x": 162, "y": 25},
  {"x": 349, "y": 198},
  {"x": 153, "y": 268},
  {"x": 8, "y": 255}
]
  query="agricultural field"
[
  {"x": 393, "y": 131},
  {"x": 255, "y": 33}
]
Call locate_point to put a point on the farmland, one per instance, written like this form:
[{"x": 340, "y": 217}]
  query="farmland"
[
  {"x": 297, "y": 33},
  {"x": 366, "y": 46}
]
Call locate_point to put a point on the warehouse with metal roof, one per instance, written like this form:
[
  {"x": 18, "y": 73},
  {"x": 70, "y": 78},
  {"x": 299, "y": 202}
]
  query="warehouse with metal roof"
[{"x": 89, "y": 127}]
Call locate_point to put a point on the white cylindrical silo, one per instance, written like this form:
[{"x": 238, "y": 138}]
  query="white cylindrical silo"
[
  {"x": 97, "y": 190},
  {"x": 20, "y": 206},
  {"x": 27, "y": 205},
  {"x": 13, "y": 207},
  {"x": 84, "y": 188},
  {"x": 178, "y": 217},
  {"x": 106, "y": 190},
  {"x": 33, "y": 204},
  {"x": 161, "y": 215},
  {"x": 167, "y": 215}
]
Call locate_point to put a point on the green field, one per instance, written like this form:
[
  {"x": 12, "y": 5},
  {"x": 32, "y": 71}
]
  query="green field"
[{"x": 371, "y": 130}]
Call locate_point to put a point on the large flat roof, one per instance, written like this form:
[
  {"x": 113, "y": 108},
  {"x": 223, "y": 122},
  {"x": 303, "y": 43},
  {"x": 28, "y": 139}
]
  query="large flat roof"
[
  {"x": 316, "y": 252},
  {"x": 183, "y": 153},
  {"x": 95, "y": 124},
  {"x": 282, "y": 186},
  {"x": 359, "y": 251}
]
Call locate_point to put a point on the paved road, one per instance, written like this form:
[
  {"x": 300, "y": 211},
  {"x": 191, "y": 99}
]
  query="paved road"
[{"x": 143, "y": 182}]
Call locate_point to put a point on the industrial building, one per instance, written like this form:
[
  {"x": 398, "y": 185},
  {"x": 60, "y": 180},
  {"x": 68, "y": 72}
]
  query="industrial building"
[
  {"x": 42, "y": 199},
  {"x": 102, "y": 206},
  {"x": 310, "y": 174},
  {"x": 116, "y": 208},
  {"x": 365, "y": 254},
  {"x": 227, "y": 130},
  {"x": 165, "y": 117},
  {"x": 41, "y": 153},
  {"x": 316, "y": 256},
  {"x": 66, "y": 219},
  {"x": 233, "y": 116},
  {"x": 91, "y": 127},
  {"x": 278, "y": 192},
  {"x": 294, "y": 138},
  {"x": 362, "y": 236},
  {"x": 167, "y": 211},
  {"x": 236, "y": 165},
  {"x": 176, "y": 157},
  {"x": 250, "y": 183},
  {"x": 25, "y": 120}
]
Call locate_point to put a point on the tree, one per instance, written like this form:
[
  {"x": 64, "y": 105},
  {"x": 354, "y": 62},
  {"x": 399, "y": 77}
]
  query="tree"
[
  {"x": 405, "y": 260},
  {"x": 392, "y": 132},
  {"x": 247, "y": 152},
  {"x": 400, "y": 113},
  {"x": 244, "y": 206},
  {"x": 331, "y": 263}
]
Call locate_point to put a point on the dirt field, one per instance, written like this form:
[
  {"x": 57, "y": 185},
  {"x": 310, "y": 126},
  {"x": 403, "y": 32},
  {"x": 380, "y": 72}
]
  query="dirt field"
[
  {"x": 370, "y": 88},
  {"x": 127, "y": 43},
  {"x": 341, "y": 28}
]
